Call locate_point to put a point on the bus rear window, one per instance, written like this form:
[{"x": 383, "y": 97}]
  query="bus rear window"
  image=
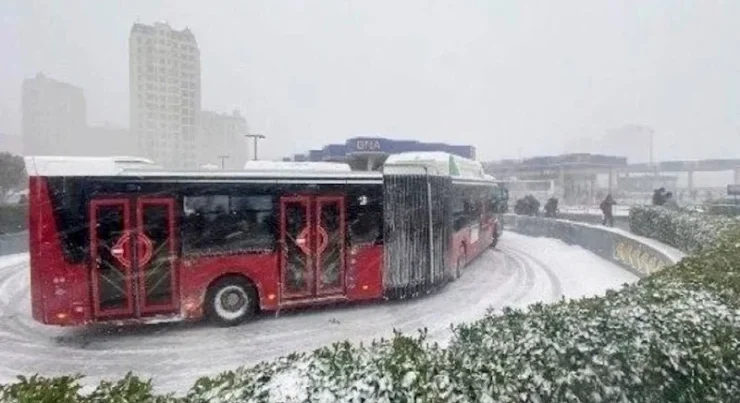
[{"x": 68, "y": 206}]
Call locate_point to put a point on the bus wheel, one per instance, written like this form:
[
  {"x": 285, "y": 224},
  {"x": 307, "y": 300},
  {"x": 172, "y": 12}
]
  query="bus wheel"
[{"x": 230, "y": 301}]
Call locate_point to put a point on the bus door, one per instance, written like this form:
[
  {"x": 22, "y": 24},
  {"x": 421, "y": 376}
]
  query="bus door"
[
  {"x": 133, "y": 249},
  {"x": 312, "y": 235}
]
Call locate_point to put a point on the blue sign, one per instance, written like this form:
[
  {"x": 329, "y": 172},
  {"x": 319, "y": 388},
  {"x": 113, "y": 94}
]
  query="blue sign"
[
  {"x": 369, "y": 145},
  {"x": 362, "y": 145}
]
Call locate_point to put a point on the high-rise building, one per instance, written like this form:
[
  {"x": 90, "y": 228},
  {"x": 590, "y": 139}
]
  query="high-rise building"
[
  {"x": 221, "y": 140},
  {"x": 164, "y": 90},
  {"x": 54, "y": 117}
]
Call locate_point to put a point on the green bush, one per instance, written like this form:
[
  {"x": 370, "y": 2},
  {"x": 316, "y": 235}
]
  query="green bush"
[
  {"x": 730, "y": 210},
  {"x": 688, "y": 231},
  {"x": 671, "y": 337},
  {"x": 67, "y": 389},
  {"x": 13, "y": 218}
]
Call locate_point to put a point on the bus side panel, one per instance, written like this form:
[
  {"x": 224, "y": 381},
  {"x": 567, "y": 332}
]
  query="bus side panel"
[
  {"x": 37, "y": 197},
  {"x": 365, "y": 273},
  {"x": 59, "y": 292},
  {"x": 460, "y": 246},
  {"x": 485, "y": 237},
  {"x": 198, "y": 273}
]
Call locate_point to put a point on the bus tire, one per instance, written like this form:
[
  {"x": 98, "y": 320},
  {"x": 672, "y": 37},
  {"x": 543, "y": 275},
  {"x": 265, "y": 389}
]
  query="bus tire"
[{"x": 230, "y": 301}]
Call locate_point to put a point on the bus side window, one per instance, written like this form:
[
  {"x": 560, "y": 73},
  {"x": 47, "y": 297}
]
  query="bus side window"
[
  {"x": 365, "y": 220},
  {"x": 459, "y": 208},
  {"x": 223, "y": 224}
]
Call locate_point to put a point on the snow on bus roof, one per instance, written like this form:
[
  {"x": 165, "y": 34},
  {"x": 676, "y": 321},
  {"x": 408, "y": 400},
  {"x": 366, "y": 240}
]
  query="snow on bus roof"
[
  {"x": 84, "y": 166},
  {"x": 141, "y": 167},
  {"x": 436, "y": 163},
  {"x": 297, "y": 165}
]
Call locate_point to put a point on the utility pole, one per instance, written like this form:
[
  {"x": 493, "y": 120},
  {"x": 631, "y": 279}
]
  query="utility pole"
[
  {"x": 652, "y": 134},
  {"x": 223, "y": 158},
  {"x": 254, "y": 137}
]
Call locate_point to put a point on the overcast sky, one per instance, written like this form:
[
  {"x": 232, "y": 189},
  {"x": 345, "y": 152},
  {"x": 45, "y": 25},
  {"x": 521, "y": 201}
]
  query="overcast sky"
[{"x": 513, "y": 78}]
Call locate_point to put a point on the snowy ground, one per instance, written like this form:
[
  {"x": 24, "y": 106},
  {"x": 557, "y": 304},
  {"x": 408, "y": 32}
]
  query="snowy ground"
[{"x": 522, "y": 270}]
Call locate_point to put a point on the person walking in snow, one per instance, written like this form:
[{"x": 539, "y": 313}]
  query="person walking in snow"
[
  {"x": 607, "y": 207},
  {"x": 551, "y": 207},
  {"x": 659, "y": 196}
]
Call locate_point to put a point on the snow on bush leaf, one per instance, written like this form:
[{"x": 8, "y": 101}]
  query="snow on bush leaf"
[{"x": 689, "y": 231}]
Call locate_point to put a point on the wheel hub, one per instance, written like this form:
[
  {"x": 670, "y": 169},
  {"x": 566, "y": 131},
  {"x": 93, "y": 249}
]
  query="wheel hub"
[{"x": 232, "y": 301}]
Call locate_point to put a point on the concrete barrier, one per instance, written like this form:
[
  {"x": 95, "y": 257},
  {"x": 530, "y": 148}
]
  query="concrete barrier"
[
  {"x": 13, "y": 243},
  {"x": 622, "y": 222},
  {"x": 640, "y": 255}
]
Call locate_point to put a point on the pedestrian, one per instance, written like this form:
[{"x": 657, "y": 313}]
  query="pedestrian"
[
  {"x": 607, "y": 207},
  {"x": 551, "y": 207},
  {"x": 659, "y": 197}
]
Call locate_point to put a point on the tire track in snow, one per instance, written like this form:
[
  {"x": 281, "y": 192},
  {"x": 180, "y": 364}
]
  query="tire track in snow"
[{"x": 175, "y": 354}]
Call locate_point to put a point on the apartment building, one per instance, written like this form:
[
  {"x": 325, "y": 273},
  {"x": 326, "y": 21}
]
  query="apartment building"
[
  {"x": 54, "y": 117},
  {"x": 221, "y": 140},
  {"x": 165, "y": 93}
]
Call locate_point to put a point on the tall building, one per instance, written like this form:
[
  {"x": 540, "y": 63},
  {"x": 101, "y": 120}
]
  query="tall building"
[
  {"x": 54, "y": 117},
  {"x": 221, "y": 140},
  {"x": 164, "y": 90}
]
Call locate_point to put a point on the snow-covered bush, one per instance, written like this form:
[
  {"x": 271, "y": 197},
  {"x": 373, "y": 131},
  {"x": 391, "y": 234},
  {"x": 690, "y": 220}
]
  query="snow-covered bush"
[
  {"x": 686, "y": 230},
  {"x": 643, "y": 344}
]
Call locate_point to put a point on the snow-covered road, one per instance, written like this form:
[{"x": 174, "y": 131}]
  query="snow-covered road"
[{"x": 522, "y": 270}]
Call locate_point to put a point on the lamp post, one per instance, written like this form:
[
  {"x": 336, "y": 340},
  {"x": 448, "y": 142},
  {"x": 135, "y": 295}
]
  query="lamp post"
[
  {"x": 651, "y": 132},
  {"x": 254, "y": 137}
]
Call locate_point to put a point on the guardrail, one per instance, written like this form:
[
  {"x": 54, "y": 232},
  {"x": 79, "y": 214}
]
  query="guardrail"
[
  {"x": 640, "y": 255},
  {"x": 619, "y": 220}
]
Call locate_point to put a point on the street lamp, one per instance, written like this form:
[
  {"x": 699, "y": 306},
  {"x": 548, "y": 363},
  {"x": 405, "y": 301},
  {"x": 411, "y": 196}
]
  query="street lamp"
[
  {"x": 651, "y": 132},
  {"x": 254, "y": 137}
]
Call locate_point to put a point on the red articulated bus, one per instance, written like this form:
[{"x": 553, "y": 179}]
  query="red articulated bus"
[{"x": 122, "y": 240}]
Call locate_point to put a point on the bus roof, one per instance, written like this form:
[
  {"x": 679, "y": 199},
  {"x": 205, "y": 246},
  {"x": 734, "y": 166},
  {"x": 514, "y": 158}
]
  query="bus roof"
[
  {"x": 297, "y": 165},
  {"x": 143, "y": 168},
  {"x": 84, "y": 166},
  {"x": 436, "y": 163},
  {"x": 433, "y": 163}
]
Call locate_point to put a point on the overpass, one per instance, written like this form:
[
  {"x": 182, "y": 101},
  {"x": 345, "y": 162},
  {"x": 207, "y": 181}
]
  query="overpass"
[{"x": 583, "y": 168}]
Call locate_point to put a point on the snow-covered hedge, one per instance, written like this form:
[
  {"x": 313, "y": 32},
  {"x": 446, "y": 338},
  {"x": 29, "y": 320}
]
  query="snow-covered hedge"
[
  {"x": 686, "y": 230},
  {"x": 672, "y": 337}
]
